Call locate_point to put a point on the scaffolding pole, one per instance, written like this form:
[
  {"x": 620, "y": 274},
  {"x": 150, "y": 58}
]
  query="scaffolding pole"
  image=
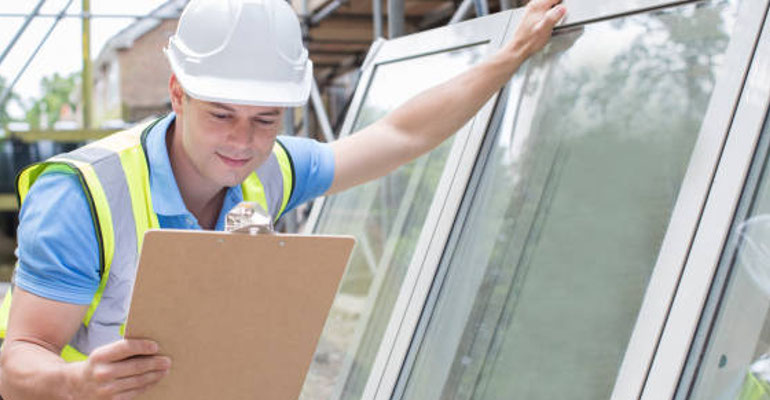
[
  {"x": 395, "y": 18},
  {"x": 288, "y": 121},
  {"x": 7, "y": 92},
  {"x": 86, "y": 80},
  {"x": 89, "y": 15},
  {"x": 305, "y": 132},
  {"x": 462, "y": 11},
  {"x": 21, "y": 30},
  {"x": 320, "y": 112},
  {"x": 326, "y": 11},
  {"x": 289, "y": 219},
  {"x": 482, "y": 8},
  {"x": 377, "y": 18}
]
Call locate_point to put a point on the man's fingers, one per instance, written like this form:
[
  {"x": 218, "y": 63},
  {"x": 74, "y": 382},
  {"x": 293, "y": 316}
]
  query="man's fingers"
[
  {"x": 543, "y": 5},
  {"x": 139, "y": 365},
  {"x": 137, "y": 382},
  {"x": 124, "y": 349},
  {"x": 553, "y": 16},
  {"x": 129, "y": 394}
]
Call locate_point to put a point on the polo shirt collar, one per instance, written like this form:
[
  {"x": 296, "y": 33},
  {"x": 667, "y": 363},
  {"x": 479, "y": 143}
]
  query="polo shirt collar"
[{"x": 166, "y": 198}]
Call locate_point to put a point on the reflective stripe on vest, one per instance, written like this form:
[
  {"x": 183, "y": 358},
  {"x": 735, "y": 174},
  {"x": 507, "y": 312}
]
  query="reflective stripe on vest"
[
  {"x": 114, "y": 174},
  {"x": 5, "y": 310},
  {"x": 754, "y": 388}
]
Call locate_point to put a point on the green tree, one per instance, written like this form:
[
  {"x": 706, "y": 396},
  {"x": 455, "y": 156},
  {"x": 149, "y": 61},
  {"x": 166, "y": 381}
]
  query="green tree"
[
  {"x": 57, "y": 93},
  {"x": 4, "y": 116}
]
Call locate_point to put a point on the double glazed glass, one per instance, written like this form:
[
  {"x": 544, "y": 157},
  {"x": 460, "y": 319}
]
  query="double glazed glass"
[
  {"x": 736, "y": 362},
  {"x": 540, "y": 294},
  {"x": 386, "y": 217}
]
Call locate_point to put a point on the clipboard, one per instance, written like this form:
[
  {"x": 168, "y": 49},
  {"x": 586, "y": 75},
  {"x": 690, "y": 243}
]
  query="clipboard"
[{"x": 240, "y": 315}]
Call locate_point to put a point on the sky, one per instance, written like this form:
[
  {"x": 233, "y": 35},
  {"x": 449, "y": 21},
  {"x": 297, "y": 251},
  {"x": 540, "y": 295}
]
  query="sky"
[{"x": 62, "y": 51}]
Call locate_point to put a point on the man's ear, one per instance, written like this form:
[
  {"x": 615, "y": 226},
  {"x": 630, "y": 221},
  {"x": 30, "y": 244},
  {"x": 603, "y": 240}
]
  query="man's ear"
[{"x": 176, "y": 93}]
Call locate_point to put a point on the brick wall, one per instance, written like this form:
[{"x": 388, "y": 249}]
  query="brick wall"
[
  {"x": 106, "y": 95},
  {"x": 144, "y": 74}
]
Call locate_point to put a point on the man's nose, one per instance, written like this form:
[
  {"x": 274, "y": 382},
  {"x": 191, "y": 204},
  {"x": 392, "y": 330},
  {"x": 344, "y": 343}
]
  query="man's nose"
[
  {"x": 241, "y": 134},
  {"x": 246, "y": 136}
]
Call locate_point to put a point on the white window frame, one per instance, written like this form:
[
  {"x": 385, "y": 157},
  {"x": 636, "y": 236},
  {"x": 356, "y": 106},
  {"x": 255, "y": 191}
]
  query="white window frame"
[
  {"x": 717, "y": 220},
  {"x": 682, "y": 225}
]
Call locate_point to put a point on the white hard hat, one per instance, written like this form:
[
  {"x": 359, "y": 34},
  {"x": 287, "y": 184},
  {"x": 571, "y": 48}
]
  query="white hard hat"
[{"x": 241, "y": 51}]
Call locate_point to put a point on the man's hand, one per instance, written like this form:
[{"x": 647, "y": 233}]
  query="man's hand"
[
  {"x": 31, "y": 368},
  {"x": 535, "y": 28},
  {"x": 120, "y": 370}
]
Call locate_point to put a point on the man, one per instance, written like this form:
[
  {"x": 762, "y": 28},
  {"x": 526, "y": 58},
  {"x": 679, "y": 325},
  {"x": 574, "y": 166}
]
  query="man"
[{"x": 83, "y": 213}]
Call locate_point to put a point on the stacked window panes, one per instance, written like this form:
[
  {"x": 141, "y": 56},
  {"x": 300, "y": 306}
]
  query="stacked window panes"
[{"x": 553, "y": 248}]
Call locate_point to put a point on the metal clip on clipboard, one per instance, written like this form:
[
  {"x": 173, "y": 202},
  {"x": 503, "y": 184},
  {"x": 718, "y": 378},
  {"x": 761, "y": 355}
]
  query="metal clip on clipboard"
[{"x": 250, "y": 218}]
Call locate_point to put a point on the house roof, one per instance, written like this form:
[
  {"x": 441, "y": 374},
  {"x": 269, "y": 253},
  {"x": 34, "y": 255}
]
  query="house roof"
[{"x": 124, "y": 39}]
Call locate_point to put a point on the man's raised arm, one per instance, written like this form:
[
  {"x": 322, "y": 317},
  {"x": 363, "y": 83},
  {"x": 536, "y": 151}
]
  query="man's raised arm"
[{"x": 429, "y": 118}]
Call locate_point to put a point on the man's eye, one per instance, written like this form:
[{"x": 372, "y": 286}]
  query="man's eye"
[
  {"x": 266, "y": 122},
  {"x": 219, "y": 116}
]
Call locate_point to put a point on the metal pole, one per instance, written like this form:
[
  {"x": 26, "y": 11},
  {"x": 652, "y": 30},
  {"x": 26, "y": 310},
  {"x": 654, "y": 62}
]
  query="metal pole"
[
  {"x": 377, "y": 18},
  {"x": 395, "y": 18},
  {"x": 305, "y": 132},
  {"x": 89, "y": 15},
  {"x": 86, "y": 81},
  {"x": 326, "y": 11},
  {"x": 320, "y": 112},
  {"x": 462, "y": 12},
  {"x": 505, "y": 5},
  {"x": 288, "y": 121},
  {"x": 482, "y": 8},
  {"x": 9, "y": 88},
  {"x": 21, "y": 30}
]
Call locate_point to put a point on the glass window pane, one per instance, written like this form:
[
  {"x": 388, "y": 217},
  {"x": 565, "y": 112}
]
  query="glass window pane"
[
  {"x": 541, "y": 292},
  {"x": 386, "y": 216},
  {"x": 736, "y": 363}
]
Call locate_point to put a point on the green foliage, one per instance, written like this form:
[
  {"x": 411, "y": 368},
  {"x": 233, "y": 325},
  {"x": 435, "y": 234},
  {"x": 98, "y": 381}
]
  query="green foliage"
[
  {"x": 4, "y": 117},
  {"x": 57, "y": 93}
]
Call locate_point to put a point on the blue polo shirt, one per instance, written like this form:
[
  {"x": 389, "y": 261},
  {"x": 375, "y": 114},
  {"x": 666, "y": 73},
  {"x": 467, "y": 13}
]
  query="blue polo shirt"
[{"x": 57, "y": 248}]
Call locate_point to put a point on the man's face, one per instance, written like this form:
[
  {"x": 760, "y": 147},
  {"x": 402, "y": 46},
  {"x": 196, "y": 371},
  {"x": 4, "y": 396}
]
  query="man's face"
[{"x": 227, "y": 142}]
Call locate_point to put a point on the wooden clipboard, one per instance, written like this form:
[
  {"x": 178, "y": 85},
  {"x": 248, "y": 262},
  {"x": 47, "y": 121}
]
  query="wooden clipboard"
[{"x": 240, "y": 315}]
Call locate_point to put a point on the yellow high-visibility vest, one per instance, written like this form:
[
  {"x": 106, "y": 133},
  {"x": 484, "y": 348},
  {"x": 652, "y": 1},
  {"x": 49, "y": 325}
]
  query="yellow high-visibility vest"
[
  {"x": 115, "y": 175},
  {"x": 754, "y": 388}
]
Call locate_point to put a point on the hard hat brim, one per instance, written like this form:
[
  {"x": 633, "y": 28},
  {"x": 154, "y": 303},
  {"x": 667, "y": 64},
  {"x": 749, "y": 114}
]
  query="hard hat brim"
[{"x": 245, "y": 91}]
